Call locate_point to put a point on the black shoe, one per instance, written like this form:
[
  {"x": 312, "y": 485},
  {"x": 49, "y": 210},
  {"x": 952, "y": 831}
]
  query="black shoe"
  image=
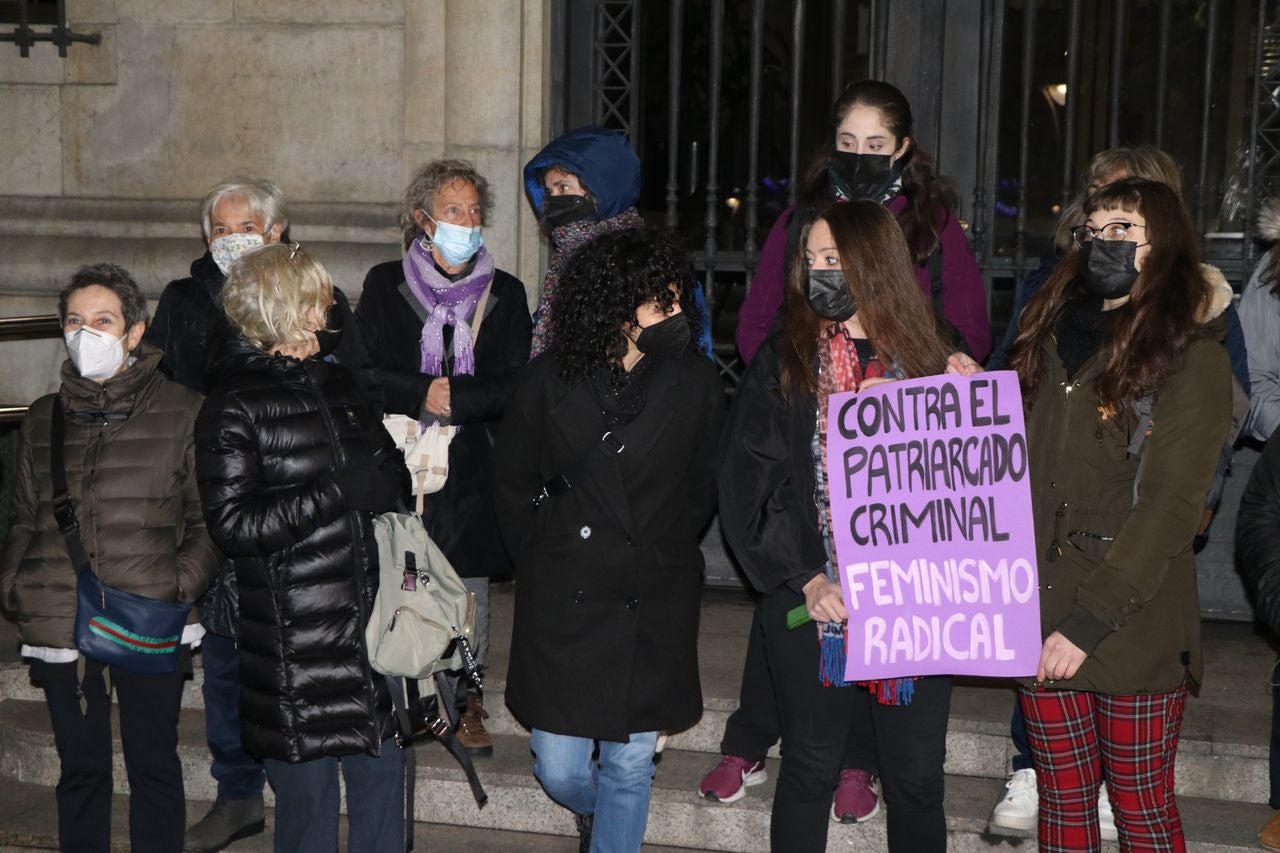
[
  {"x": 585, "y": 822},
  {"x": 229, "y": 820}
]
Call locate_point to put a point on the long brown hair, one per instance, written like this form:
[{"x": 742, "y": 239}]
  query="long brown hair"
[
  {"x": 892, "y": 310},
  {"x": 928, "y": 196},
  {"x": 1153, "y": 327}
]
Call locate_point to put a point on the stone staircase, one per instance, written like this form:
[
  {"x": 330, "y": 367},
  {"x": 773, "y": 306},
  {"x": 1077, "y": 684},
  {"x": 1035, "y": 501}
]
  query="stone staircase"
[{"x": 1222, "y": 765}]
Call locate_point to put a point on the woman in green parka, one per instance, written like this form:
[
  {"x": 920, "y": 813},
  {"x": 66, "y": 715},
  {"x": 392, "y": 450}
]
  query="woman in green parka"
[{"x": 1128, "y": 394}]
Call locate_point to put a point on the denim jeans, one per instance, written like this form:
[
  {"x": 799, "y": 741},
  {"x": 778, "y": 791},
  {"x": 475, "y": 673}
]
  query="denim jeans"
[
  {"x": 615, "y": 787},
  {"x": 239, "y": 774},
  {"x": 307, "y": 802}
]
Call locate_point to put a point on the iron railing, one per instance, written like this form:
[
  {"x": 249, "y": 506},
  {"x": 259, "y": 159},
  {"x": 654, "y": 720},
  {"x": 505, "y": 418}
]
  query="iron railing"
[{"x": 1114, "y": 79}]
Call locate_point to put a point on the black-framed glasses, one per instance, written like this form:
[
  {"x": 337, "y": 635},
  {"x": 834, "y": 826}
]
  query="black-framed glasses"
[{"x": 1112, "y": 231}]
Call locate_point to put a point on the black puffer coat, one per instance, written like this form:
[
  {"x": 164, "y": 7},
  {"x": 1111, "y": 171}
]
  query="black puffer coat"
[
  {"x": 190, "y": 328},
  {"x": 267, "y": 441},
  {"x": 1258, "y": 535}
]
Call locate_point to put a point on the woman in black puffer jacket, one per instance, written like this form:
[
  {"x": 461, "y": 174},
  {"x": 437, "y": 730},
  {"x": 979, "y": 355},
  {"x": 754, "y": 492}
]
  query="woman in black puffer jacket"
[{"x": 292, "y": 464}]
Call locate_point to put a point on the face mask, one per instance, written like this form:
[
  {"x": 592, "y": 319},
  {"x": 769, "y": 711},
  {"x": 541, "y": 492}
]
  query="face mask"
[
  {"x": 96, "y": 355},
  {"x": 1107, "y": 267},
  {"x": 226, "y": 250},
  {"x": 558, "y": 210},
  {"x": 869, "y": 176},
  {"x": 667, "y": 338},
  {"x": 457, "y": 244},
  {"x": 829, "y": 296},
  {"x": 331, "y": 334}
]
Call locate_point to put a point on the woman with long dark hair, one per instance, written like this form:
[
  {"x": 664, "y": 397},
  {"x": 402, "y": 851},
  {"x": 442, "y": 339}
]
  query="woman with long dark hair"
[
  {"x": 854, "y": 318},
  {"x": 1128, "y": 394},
  {"x": 872, "y": 153},
  {"x": 604, "y": 469}
]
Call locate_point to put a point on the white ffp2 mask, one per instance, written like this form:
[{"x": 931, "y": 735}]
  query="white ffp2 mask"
[{"x": 97, "y": 355}]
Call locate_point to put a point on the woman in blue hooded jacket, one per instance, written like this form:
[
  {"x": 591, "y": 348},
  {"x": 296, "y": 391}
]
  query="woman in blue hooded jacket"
[{"x": 581, "y": 185}]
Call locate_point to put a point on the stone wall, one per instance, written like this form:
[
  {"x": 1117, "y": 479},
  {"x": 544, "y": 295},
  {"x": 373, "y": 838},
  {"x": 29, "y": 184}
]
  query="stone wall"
[{"x": 105, "y": 154}]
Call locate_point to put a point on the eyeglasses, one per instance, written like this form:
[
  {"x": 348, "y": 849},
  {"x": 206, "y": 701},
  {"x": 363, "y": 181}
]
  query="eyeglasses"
[{"x": 1110, "y": 232}]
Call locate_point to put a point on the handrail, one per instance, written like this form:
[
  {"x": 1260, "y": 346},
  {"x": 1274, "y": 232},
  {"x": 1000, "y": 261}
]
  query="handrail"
[{"x": 38, "y": 326}]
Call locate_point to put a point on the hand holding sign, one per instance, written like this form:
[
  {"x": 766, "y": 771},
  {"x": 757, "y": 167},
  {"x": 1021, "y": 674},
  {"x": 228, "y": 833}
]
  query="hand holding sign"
[{"x": 931, "y": 514}]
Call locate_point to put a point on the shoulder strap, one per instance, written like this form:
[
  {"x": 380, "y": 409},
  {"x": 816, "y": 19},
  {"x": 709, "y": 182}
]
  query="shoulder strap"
[
  {"x": 63, "y": 512},
  {"x": 610, "y": 444}
]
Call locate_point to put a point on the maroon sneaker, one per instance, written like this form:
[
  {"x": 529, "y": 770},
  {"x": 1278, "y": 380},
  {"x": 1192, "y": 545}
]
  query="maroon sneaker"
[
  {"x": 857, "y": 797},
  {"x": 730, "y": 779}
]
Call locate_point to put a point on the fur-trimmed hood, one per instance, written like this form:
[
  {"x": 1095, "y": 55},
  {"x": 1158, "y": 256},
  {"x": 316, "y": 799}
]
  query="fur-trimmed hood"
[
  {"x": 1220, "y": 293},
  {"x": 1269, "y": 220}
]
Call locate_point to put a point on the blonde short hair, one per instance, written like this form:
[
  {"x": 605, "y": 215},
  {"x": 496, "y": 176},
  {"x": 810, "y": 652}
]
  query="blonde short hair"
[
  {"x": 269, "y": 292},
  {"x": 1140, "y": 161}
]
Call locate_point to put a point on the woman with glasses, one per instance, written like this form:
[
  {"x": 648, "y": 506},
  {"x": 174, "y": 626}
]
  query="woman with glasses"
[
  {"x": 1128, "y": 392},
  {"x": 448, "y": 333}
]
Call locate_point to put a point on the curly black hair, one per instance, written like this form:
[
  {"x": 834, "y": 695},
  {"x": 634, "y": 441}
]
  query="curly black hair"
[{"x": 600, "y": 289}]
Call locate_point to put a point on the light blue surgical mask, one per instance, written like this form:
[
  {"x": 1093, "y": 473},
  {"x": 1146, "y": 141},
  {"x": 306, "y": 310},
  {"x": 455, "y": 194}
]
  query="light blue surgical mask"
[{"x": 456, "y": 243}]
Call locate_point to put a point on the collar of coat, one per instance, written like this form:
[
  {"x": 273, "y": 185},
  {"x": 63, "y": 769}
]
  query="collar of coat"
[{"x": 123, "y": 393}]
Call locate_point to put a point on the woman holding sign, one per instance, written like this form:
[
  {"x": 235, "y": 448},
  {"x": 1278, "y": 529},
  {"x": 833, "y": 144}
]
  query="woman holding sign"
[
  {"x": 853, "y": 319},
  {"x": 1128, "y": 392}
]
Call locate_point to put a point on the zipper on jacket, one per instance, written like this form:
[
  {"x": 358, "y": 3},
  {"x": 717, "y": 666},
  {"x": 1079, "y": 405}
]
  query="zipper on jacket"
[{"x": 1055, "y": 547}]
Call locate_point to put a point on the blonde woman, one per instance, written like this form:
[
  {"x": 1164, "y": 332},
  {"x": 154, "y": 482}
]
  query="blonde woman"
[{"x": 292, "y": 464}]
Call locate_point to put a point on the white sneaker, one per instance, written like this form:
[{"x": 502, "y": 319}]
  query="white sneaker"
[
  {"x": 1021, "y": 804},
  {"x": 1106, "y": 820}
]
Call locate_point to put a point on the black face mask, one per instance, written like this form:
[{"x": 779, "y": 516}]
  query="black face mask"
[
  {"x": 829, "y": 296},
  {"x": 331, "y": 334},
  {"x": 558, "y": 210},
  {"x": 856, "y": 176},
  {"x": 667, "y": 338},
  {"x": 1107, "y": 267}
]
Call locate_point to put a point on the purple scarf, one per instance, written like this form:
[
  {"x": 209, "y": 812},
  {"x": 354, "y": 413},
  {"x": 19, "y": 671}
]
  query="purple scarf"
[{"x": 448, "y": 303}]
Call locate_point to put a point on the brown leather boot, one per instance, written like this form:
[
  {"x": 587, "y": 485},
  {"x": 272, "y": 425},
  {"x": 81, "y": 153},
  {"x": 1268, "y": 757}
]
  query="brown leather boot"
[
  {"x": 471, "y": 731},
  {"x": 1269, "y": 838}
]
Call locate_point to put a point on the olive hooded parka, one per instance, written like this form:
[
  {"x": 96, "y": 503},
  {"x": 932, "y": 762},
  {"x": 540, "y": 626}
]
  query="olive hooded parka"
[{"x": 1114, "y": 530}]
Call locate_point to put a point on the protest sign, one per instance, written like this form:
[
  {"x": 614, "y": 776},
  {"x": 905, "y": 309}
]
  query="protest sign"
[{"x": 931, "y": 515}]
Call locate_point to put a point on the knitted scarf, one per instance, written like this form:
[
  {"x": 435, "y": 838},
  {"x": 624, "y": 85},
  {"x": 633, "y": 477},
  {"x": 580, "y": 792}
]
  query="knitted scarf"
[
  {"x": 448, "y": 303},
  {"x": 839, "y": 370},
  {"x": 567, "y": 240}
]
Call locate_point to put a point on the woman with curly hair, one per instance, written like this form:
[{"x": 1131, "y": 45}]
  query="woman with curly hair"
[
  {"x": 1128, "y": 393},
  {"x": 605, "y": 479},
  {"x": 854, "y": 319}
]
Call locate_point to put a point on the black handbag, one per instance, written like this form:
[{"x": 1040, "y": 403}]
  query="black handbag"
[{"x": 113, "y": 627}]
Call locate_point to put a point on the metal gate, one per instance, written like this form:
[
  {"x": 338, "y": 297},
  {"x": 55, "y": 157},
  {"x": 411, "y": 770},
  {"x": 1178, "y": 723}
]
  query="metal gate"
[{"x": 725, "y": 99}]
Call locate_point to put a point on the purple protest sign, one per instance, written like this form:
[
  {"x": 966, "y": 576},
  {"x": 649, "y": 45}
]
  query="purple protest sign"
[{"x": 931, "y": 510}]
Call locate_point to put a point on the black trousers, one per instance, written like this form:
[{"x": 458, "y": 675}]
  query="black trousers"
[
  {"x": 754, "y": 726},
  {"x": 149, "y": 733},
  {"x": 910, "y": 742}
]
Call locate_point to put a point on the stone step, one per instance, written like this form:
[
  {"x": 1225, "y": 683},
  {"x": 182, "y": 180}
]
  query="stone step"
[
  {"x": 678, "y": 818},
  {"x": 1222, "y": 752},
  {"x": 28, "y": 821}
]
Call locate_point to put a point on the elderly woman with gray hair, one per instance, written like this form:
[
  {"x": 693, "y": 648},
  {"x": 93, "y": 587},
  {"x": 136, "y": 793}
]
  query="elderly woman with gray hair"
[
  {"x": 237, "y": 216},
  {"x": 448, "y": 332}
]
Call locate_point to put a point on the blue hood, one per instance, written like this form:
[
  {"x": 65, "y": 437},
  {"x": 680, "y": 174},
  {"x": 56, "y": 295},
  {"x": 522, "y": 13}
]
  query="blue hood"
[{"x": 603, "y": 161}]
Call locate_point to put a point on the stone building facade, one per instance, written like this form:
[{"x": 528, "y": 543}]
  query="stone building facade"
[{"x": 104, "y": 155}]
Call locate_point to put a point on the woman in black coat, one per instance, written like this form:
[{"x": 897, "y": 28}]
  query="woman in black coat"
[
  {"x": 605, "y": 477},
  {"x": 447, "y": 333},
  {"x": 292, "y": 464}
]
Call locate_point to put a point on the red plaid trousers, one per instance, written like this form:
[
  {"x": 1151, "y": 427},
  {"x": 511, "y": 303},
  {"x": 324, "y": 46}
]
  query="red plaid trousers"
[{"x": 1078, "y": 739}]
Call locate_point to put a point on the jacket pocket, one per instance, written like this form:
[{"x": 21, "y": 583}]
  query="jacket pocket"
[{"x": 1089, "y": 534}]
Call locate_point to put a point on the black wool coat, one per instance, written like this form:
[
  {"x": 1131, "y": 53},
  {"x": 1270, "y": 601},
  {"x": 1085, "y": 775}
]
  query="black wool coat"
[
  {"x": 268, "y": 440},
  {"x": 608, "y": 574},
  {"x": 191, "y": 329},
  {"x": 459, "y": 517},
  {"x": 1258, "y": 535}
]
